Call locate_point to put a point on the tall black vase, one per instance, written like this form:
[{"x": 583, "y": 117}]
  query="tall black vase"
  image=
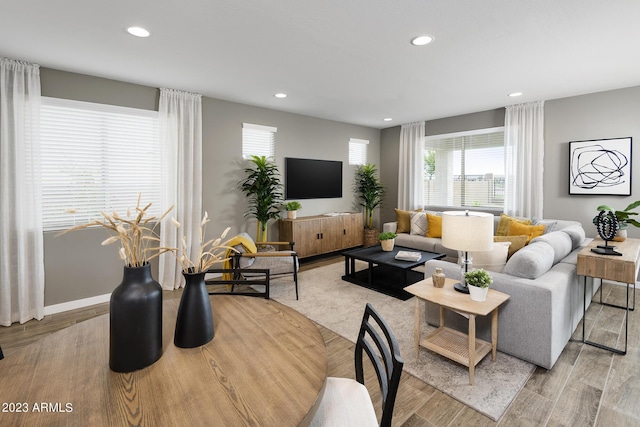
[
  {"x": 135, "y": 314},
  {"x": 194, "y": 325}
]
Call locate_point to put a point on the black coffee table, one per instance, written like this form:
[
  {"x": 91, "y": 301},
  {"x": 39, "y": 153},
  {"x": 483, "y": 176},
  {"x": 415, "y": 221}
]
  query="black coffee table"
[{"x": 385, "y": 274}]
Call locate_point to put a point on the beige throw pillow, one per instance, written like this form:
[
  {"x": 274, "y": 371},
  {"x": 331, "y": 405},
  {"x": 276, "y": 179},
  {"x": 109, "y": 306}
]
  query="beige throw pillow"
[{"x": 493, "y": 260}]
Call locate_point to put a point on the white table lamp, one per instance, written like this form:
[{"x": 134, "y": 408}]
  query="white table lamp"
[{"x": 467, "y": 232}]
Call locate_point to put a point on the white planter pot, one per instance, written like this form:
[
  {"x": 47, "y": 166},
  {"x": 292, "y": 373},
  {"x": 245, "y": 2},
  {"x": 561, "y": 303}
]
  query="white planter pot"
[
  {"x": 292, "y": 214},
  {"x": 387, "y": 245},
  {"x": 478, "y": 294}
]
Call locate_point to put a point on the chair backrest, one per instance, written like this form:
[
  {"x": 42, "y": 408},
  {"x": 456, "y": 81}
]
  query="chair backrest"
[{"x": 385, "y": 357}]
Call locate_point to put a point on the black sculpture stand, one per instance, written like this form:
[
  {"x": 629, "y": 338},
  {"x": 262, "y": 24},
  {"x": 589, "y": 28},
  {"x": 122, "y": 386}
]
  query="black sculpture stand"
[
  {"x": 606, "y": 249},
  {"x": 461, "y": 288}
]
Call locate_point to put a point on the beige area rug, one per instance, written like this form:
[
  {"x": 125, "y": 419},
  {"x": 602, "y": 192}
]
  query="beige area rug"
[{"x": 338, "y": 306}]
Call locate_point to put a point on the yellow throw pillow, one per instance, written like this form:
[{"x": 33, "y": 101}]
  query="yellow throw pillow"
[
  {"x": 531, "y": 231},
  {"x": 434, "y": 225},
  {"x": 404, "y": 220},
  {"x": 517, "y": 243},
  {"x": 505, "y": 221}
]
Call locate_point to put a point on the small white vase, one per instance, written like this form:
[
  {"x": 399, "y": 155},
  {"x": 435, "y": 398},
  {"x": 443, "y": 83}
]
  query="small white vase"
[
  {"x": 387, "y": 245},
  {"x": 292, "y": 214},
  {"x": 478, "y": 294}
]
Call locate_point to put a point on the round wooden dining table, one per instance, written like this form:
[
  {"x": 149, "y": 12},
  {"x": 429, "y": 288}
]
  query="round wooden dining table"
[{"x": 266, "y": 366}]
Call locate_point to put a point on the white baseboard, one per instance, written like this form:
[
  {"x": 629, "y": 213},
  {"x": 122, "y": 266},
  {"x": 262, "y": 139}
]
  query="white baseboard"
[{"x": 72, "y": 305}]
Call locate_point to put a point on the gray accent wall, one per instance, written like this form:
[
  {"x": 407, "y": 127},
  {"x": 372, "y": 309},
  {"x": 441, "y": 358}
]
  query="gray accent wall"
[
  {"x": 602, "y": 115},
  {"x": 77, "y": 267}
]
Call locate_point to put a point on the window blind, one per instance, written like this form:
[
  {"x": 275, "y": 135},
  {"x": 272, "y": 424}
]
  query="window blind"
[
  {"x": 358, "y": 151},
  {"x": 97, "y": 157},
  {"x": 465, "y": 169},
  {"x": 258, "y": 140}
]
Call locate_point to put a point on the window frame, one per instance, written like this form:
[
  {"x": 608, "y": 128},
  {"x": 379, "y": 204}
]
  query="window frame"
[
  {"x": 258, "y": 140},
  {"x": 108, "y": 146},
  {"x": 495, "y": 208}
]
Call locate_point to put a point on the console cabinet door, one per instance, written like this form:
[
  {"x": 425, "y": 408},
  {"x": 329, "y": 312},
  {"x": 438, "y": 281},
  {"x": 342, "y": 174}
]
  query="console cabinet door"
[
  {"x": 331, "y": 234},
  {"x": 305, "y": 234},
  {"x": 353, "y": 230}
]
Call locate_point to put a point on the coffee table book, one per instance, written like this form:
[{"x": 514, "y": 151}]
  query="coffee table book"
[{"x": 408, "y": 256}]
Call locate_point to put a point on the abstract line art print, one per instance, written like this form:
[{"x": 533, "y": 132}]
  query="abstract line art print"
[{"x": 600, "y": 166}]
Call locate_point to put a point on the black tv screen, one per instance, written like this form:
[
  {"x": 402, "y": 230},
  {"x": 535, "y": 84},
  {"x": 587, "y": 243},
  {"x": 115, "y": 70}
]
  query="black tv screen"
[{"x": 312, "y": 179}]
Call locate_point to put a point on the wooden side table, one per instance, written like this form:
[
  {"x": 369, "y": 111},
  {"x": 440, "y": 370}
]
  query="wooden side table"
[
  {"x": 622, "y": 269},
  {"x": 463, "y": 348}
]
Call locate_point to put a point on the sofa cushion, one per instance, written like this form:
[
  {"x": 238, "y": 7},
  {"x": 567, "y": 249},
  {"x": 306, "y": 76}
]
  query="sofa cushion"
[
  {"x": 530, "y": 262},
  {"x": 434, "y": 225},
  {"x": 493, "y": 260},
  {"x": 505, "y": 222},
  {"x": 403, "y": 218},
  {"x": 418, "y": 223},
  {"x": 531, "y": 231},
  {"x": 549, "y": 224},
  {"x": 559, "y": 241},
  {"x": 517, "y": 243},
  {"x": 576, "y": 234}
]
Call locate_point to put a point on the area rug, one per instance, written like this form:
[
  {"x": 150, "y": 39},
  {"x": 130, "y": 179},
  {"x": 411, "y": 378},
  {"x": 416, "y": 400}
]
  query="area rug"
[{"x": 338, "y": 305}]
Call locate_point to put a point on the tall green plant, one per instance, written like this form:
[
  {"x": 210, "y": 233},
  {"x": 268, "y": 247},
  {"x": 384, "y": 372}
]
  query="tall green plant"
[
  {"x": 369, "y": 190},
  {"x": 264, "y": 191}
]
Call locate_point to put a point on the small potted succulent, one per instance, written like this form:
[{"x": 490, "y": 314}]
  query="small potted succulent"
[
  {"x": 478, "y": 281},
  {"x": 387, "y": 240},
  {"x": 292, "y": 209}
]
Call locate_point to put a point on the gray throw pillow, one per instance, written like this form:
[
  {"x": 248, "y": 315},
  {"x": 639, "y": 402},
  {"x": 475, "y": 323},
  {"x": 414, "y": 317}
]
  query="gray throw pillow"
[{"x": 530, "y": 262}]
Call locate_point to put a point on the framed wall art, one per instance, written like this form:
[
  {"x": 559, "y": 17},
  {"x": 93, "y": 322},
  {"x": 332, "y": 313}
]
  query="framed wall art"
[{"x": 600, "y": 166}]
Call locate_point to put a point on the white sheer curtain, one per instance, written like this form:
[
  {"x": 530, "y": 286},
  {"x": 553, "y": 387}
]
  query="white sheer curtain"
[
  {"x": 524, "y": 156},
  {"x": 21, "y": 240},
  {"x": 410, "y": 166},
  {"x": 180, "y": 120}
]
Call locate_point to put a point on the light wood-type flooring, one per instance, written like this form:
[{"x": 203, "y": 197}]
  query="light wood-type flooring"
[{"x": 586, "y": 387}]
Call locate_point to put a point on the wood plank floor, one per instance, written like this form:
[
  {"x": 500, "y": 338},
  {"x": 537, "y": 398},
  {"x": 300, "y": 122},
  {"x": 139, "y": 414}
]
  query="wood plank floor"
[{"x": 586, "y": 387}]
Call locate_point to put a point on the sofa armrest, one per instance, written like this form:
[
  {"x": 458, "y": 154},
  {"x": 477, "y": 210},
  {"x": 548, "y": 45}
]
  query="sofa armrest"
[{"x": 390, "y": 226}]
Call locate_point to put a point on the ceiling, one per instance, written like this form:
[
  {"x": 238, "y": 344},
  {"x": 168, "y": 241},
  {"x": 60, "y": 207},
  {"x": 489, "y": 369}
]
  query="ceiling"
[{"x": 345, "y": 60}]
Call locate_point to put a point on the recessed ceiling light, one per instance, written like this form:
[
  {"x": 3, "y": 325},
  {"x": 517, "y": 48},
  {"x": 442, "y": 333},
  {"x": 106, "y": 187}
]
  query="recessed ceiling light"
[
  {"x": 280, "y": 95},
  {"x": 514, "y": 94},
  {"x": 138, "y": 31},
  {"x": 421, "y": 40},
  {"x": 388, "y": 119}
]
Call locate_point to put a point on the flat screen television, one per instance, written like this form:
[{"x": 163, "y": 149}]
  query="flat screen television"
[{"x": 312, "y": 179}]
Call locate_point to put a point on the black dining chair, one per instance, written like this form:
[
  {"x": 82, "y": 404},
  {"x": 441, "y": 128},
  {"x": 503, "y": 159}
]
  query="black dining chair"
[
  {"x": 1, "y": 355},
  {"x": 347, "y": 402}
]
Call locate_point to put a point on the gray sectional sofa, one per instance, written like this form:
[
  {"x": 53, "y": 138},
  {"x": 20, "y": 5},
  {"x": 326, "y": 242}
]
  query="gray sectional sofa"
[{"x": 545, "y": 304}]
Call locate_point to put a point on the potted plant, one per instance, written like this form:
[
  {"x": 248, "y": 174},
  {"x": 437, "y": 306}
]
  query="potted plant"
[
  {"x": 478, "y": 281},
  {"x": 264, "y": 190},
  {"x": 370, "y": 193},
  {"x": 387, "y": 240},
  {"x": 623, "y": 217},
  {"x": 292, "y": 209}
]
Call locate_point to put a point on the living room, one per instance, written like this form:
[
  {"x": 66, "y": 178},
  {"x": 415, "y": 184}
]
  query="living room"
[{"x": 608, "y": 112}]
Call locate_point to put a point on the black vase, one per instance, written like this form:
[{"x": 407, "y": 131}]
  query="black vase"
[
  {"x": 194, "y": 325},
  {"x": 135, "y": 314}
]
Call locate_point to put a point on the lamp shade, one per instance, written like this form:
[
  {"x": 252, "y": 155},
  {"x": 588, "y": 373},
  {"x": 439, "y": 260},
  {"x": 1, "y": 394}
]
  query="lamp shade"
[{"x": 467, "y": 231}]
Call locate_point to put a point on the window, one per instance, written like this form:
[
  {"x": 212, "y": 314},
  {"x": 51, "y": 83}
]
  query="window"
[
  {"x": 96, "y": 157},
  {"x": 357, "y": 151},
  {"x": 258, "y": 140},
  {"x": 465, "y": 169}
]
